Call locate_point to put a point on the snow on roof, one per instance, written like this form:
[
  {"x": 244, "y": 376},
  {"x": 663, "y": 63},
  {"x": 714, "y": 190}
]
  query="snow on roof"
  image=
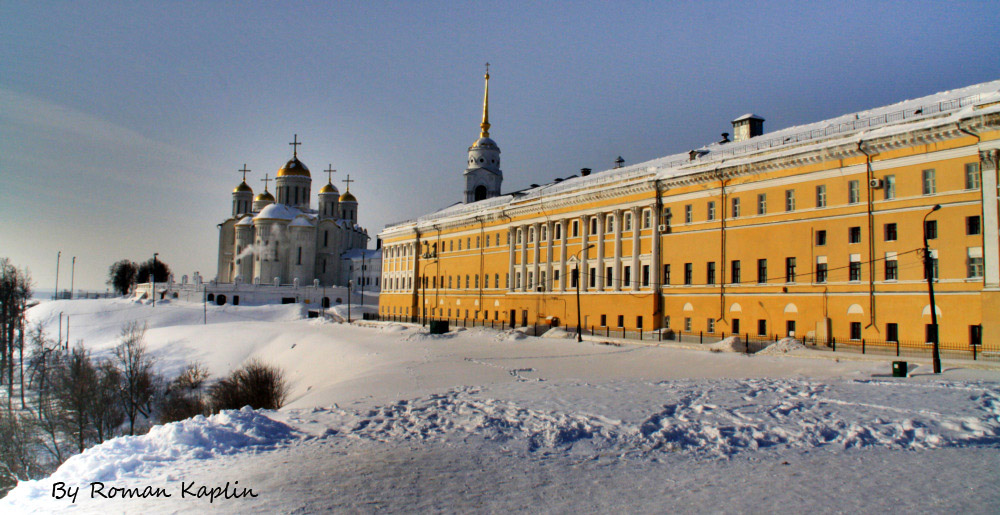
[
  {"x": 277, "y": 212},
  {"x": 933, "y": 110},
  {"x": 300, "y": 221},
  {"x": 749, "y": 116},
  {"x": 362, "y": 254},
  {"x": 246, "y": 220}
]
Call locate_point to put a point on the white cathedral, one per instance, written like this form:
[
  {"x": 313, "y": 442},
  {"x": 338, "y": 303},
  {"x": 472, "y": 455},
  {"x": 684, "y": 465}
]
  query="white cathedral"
[{"x": 282, "y": 242}]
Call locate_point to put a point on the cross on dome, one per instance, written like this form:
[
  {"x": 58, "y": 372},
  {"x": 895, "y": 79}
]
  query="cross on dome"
[
  {"x": 244, "y": 170},
  {"x": 295, "y": 146},
  {"x": 329, "y": 173},
  {"x": 264, "y": 180},
  {"x": 348, "y": 181}
]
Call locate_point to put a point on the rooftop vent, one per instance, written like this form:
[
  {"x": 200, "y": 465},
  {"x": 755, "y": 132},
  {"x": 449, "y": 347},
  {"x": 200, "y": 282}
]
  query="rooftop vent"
[
  {"x": 534, "y": 185},
  {"x": 619, "y": 162},
  {"x": 747, "y": 126},
  {"x": 558, "y": 180},
  {"x": 584, "y": 172},
  {"x": 725, "y": 138}
]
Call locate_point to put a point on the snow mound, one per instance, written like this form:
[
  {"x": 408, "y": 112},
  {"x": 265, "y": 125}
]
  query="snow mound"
[
  {"x": 782, "y": 346},
  {"x": 558, "y": 332},
  {"x": 197, "y": 438},
  {"x": 731, "y": 344},
  {"x": 512, "y": 335}
]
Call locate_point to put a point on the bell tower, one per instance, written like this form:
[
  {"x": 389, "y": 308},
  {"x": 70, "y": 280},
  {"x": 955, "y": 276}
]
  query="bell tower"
[{"x": 482, "y": 171}]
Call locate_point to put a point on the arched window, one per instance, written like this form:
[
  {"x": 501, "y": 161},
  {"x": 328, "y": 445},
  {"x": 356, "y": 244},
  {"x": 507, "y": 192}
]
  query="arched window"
[{"x": 480, "y": 193}]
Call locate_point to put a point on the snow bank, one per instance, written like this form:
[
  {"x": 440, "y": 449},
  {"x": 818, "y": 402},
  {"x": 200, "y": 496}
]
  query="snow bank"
[
  {"x": 558, "y": 332},
  {"x": 731, "y": 344},
  {"x": 130, "y": 457},
  {"x": 782, "y": 346}
]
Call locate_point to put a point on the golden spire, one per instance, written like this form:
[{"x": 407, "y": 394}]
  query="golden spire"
[{"x": 485, "y": 126}]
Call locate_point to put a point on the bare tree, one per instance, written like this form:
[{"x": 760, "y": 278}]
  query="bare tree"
[
  {"x": 107, "y": 413},
  {"x": 77, "y": 389},
  {"x": 17, "y": 450},
  {"x": 138, "y": 384}
]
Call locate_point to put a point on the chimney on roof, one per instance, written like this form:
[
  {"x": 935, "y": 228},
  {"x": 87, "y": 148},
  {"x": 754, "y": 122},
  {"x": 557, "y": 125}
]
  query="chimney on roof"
[
  {"x": 584, "y": 172},
  {"x": 747, "y": 126},
  {"x": 725, "y": 138},
  {"x": 692, "y": 155},
  {"x": 619, "y": 162}
]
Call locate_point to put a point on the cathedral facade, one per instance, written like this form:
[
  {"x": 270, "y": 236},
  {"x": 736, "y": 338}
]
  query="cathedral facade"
[{"x": 285, "y": 241}]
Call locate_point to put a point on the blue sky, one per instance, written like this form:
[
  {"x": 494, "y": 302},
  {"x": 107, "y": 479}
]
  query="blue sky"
[{"x": 123, "y": 125}]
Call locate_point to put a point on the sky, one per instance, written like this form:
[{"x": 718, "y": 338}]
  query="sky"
[{"x": 123, "y": 125}]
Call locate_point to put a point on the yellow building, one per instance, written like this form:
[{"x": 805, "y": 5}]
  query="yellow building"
[{"x": 815, "y": 231}]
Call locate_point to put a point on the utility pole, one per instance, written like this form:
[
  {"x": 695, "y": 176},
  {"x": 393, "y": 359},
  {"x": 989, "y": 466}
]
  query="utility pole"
[
  {"x": 55, "y": 296},
  {"x": 72, "y": 278},
  {"x": 928, "y": 269},
  {"x": 152, "y": 276}
]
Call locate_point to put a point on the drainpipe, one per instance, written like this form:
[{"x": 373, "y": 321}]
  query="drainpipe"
[{"x": 871, "y": 238}]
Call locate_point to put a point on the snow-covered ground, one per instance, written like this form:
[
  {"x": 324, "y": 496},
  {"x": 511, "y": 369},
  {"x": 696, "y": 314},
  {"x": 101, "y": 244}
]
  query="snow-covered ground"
[{"x": 384, "y": 416}]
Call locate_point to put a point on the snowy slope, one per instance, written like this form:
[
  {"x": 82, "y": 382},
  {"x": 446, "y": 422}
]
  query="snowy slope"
[{"x": 387, "y": 417}]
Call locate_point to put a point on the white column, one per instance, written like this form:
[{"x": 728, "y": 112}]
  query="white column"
[
  {"x": 636, "y": 226},
  {"x": 617, "y": 269},
  {"x": 584, "y": 268},
  {"x": 654, "y": 265},
  {"x": 562, "y": 255},
  {"x": 991, "y": 237},
  {"x": 536, "y": 254},
  {"x": 524, "y": 258},
  {"x": 601, "y": 220},
  {"x": 511, "y": 241},
  {"x": 550, "y": 236}
]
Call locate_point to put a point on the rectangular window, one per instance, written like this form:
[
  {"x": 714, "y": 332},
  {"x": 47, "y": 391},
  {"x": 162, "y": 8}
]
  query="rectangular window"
[
  {"x": 974, "y": 262},
  {"x": 790, "y": 270},
  {"x": 576, "y": 228},
  {"x": 761, "y": 271},
  {"x": 626, "y": 275},
  {"x": 889, "y": 187},
  {"x": 934, "y": 265},
  {"x": 891, "y": 267},
  {"x": 930, "y": 229},
  {"x": 820, "y": 238},
  {"x": 972, "y": 176},
  {"x": 762, "y": 203},
  {"x": 855, "y": 330},
  {"x": 929, "y": 182},
  {"x": 761, "y": 327},
  {"x": 628, "y": 222},
  {"x": 326, "y": 238},
  {"x": 710, "y": 325},
  {"x": 593, "y": 277},
  {"x": 647, "y": 217},
  {"x": 666, "y": 274},
  {"x": 710, "y": 273},
  {"x": 789, "y": 200},
  {"x": 621, "y": 320},
  {"x": 604, "y": 320},
  {"x": 687, "y": 323},
  {"x": 575, "y": 277},
  {"x": 736, "y": 207},
  {"x": 890, "y": 232},
  {"x": 821, "y": 269},
  {"x": 973, "y": 226},
  {"x": 734, "y": 271},
  {"x": 855, "y": 267},
  {"x": 711, "y": 210},
  {"x": 688, "y": 216},
  {"x": 821, "y": 195},
  {"x": 608, "y": 277},
  {"x": 854, "y": 235},
  {"x": 891, "y": 332},
  {"x": 853, "y": 192},
  {"x": 688, "y": 273},
  {"x": 645, "y": 275}
]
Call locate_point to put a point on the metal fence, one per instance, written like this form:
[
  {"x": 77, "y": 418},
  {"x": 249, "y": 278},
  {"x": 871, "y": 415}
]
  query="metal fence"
[{"x": 749, "y": 343}]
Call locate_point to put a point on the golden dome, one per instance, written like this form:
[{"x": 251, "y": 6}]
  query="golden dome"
[
  {"x": 348, "y": 197},
  {"x": 243, "y": 187},
  {"x": 294, "y": 167},
  {"x": 329, "y": 188},
  {"x": 266, "y": 195}
]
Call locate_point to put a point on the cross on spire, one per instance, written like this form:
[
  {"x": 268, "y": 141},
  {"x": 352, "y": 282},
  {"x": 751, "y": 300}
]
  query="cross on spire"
[
  {"x": 295, "y": 146},
  {"x": 265, "y": 181},
  {"x": 484, "y": 127},
  {"x": 487, "y": 68},
  {"x": 244, "y": 170},
  {"x": 348, "y": 181},
  {"x": 329, "y": 173}
]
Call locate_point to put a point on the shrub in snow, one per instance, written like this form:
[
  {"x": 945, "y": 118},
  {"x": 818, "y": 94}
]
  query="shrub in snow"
[
  {"x": 183, "y": 398},
  {"x": 255, "y": 384}
]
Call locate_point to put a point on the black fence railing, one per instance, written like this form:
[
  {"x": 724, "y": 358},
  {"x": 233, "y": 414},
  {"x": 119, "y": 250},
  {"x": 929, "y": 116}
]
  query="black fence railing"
[{"x": 749, "y": 343}]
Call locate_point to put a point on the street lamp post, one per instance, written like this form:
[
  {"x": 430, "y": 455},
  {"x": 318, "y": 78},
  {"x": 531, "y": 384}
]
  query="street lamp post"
[
  {"x": 72, "y": 277},
  {"x": 579, "y": 279},
  {"x": 936, "y": 356},
  {"x": 349, "y": 285},
  {"x": 58, "y": 256},
  {"x": 152, "y": 276},
  {"x": 423, "y": 287}
]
